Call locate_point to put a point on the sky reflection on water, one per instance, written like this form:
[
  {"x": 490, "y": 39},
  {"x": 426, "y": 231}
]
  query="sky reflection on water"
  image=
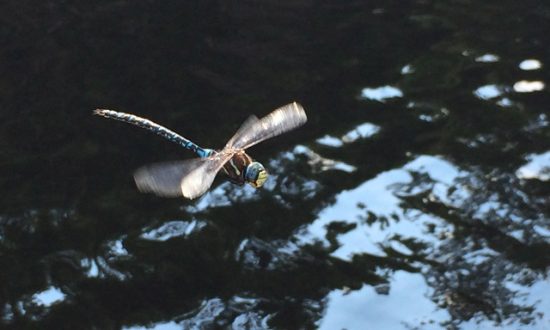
[
  {"x": 382, "y": 93},
  {"x": 367, "y": 309},
  {"x": 530, "y": 64},
  {"x": 537, "y": 167},
  {"x": 377, "y": 196}
]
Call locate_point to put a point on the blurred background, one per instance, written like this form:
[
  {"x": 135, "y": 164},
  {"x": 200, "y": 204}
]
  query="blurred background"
[{"x": 415, "y": 197}]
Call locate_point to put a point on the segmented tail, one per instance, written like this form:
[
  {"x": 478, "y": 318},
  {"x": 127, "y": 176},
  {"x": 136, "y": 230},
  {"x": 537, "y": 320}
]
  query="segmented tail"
[{"x": 155, "y": 128}]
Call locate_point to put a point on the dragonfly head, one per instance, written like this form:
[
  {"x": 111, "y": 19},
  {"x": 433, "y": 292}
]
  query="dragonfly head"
[{"x": 255, "y": 174}]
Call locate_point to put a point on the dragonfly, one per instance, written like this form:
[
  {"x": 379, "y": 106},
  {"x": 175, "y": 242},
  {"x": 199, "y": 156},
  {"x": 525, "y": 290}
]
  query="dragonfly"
[{"x": 193, "y": 177}]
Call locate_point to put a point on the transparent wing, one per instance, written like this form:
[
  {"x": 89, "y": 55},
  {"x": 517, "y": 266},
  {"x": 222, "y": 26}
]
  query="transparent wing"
[
  {"x": 164, "y": 179},
  {"x": 245, "y": 127},
  {"x": 197, "y": 182},
  {"x": 256, "y": 130}
]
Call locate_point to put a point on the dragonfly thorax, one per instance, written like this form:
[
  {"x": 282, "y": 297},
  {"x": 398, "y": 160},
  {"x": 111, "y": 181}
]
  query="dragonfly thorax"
[{"x": 241, "y": 169}]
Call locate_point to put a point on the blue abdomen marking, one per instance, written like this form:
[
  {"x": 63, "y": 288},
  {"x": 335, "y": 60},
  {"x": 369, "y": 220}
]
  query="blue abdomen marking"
[{"x": 155, "y": 128}]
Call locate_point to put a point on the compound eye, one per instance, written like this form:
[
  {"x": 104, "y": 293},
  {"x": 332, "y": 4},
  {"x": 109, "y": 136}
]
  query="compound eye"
[
  {"x": 262, "y": 176},
  {"x": 255, "y": 174}
]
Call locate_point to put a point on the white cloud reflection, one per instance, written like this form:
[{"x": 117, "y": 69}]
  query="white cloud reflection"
[
  {"x": 116, "y": 249},
  {"x": 330, "y": 141},
  {"x": 173, "y": 229},
  {"x": 48, "y": 297},
  {"x": 170, "y": 325},
  {"x": 363, "y": 131},
  {"x": 530, "y": 64},
  {"x": 320, "y": 163},
  {"x": 505, "y": 102},
  {"x": 525, "y": 86},
  {"x": 357, "y": 309},
  {"x": 537, "y": 167},
  {"x": 407, "y": 69},
  {"x": 488, "y": 92},
  {"x": 379, "y": 194},
  {"x": 487, "y": 58},
  {"x": 382, "y": 196},
  {"x": 381, "y": 93}
]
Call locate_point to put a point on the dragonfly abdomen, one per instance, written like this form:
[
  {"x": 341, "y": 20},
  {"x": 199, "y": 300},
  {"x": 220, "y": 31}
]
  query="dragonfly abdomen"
[{"x": 155, "y": 128}]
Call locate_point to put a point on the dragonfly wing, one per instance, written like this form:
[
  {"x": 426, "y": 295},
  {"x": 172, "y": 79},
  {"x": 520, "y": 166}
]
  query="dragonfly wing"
[
  {"x": 164, "y": 179},
  {"x": 245, "y": 127},
  {"x": 277, "y": 122},
  {"x": 197, "y": 182}
]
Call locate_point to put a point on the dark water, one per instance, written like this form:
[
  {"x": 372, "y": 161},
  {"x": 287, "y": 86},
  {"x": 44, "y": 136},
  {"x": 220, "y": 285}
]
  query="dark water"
[{"x": 416, "y": 197}]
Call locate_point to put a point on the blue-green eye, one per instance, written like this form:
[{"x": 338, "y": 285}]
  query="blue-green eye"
[{"x": 255, "y": 174}]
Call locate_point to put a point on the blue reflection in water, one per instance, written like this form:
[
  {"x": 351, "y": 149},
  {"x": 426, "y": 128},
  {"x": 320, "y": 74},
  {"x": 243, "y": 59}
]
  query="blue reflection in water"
[
  {"x": 487, "y": 58},
  {"x": 382, "y": 93},
  {"x": 320, "y": 163},
  {"x": 393, "y": 225},
  {"x": 488, "y": 92},
  {"x": 379, "y": 197},
  {"x": 209, "y": 315},
  {"x": 537, "y": 167},
  {"x": 530, "y": 64},
  {"x": 407, "y": 69},
  {"x": 171, "y": 325},
  {"x": 173, "y": 229},
  {"x": 363, "y": 131},
  {"x": 330, "y": 141},
  {"x": 48, "y": 297},
  {"x": 526, "y": 86},
  {"x": 367, "y": 309}
]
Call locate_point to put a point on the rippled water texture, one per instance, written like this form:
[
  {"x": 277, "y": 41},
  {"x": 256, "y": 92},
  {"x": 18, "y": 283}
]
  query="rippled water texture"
[{"x": 416, "y": 196}]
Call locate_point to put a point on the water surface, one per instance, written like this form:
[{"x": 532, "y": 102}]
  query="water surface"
[{"x": 416, "y": 196}]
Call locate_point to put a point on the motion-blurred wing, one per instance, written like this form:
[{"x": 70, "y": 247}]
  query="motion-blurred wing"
[
  {"x": 279, "y": 121},
  {"x": 245, "y": 127},
  {"x": 164, "y": 179},
  {"x": 200, "y": 179}
]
